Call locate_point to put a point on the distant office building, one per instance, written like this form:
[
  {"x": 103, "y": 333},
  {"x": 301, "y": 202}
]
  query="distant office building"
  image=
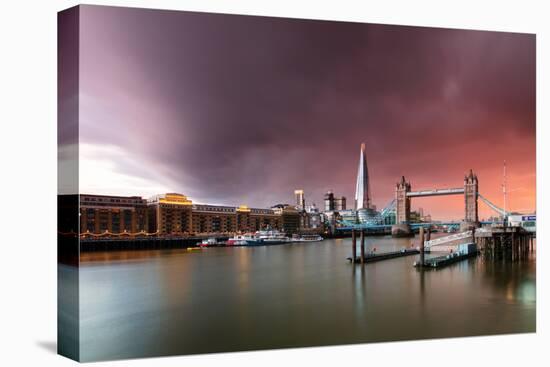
[
  {"x": 329, "y": 201},
  {"x": 340, "y": 203},
  {"x": 112, "y": 214},
  {"x": 362, "y": 187},
  {"x": 415, "y": 217},
  {"x": 300, "y": 199},
  {"x": 333, "y": 203}
]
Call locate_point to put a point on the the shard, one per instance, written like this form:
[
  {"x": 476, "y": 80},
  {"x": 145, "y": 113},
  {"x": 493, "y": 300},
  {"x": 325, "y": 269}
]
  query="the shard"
[{"x": 362, "y": 189}]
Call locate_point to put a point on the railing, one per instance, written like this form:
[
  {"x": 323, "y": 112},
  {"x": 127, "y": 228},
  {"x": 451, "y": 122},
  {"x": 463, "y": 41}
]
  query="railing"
[
  {"x": 436, "y": 192},
  {"x": 454, "y": 237},
  {"x": 446, "y": 239}
]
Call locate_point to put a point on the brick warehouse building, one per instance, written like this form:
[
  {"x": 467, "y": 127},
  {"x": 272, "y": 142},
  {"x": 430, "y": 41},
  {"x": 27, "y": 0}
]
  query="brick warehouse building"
[
  {"x": 174, "y": 214},
  {"x": 114, "y": 214}
]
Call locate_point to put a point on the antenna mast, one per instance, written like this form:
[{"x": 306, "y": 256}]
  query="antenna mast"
[{"x": 504, "y": 185}]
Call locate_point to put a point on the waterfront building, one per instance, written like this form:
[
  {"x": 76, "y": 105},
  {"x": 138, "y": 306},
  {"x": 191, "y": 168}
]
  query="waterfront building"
[
  {"x": 349, "y": 216},
  {"x": 112, "y": 214},
  {"x": 290, "y": 218},
  {"x": 214, "y": 219},
  {"x": 264, "y": 218},
  {"x": 331, "y": 219},
  {"x": 177, "y": 215},
  {"x": 170, "y": 214},
  {"x": 229, "y": 219},
  {"x": 369, "y": 216},
  {"x": 362, "y": 187},
  {"x": 527, "y": 221},
  {"x": 315, "y": 218},
  {"x": 254, "y": 219}
]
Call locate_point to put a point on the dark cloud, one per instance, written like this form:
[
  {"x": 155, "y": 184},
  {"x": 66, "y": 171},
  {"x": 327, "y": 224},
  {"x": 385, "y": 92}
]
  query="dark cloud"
[{"x": 245, "y": 109}]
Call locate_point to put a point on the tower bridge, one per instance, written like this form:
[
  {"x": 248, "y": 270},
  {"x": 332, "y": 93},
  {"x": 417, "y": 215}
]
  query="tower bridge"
[
  {"x": 404, "y": 194},
  {"x": 401, "y": 207}
]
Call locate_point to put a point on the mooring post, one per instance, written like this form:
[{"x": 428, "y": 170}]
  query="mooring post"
[
  {"x": 362, "y": 246},
  {"x": 521, "y": 246},
  {"x": 421, "y": 246},
  {"x": 514, "y": 248},
  {"x": 353, "y": 246}
]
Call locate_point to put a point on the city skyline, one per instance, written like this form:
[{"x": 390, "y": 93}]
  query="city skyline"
[{"x": 201, "y": 105}]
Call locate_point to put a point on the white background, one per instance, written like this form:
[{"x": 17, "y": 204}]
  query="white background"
[{"x": 28, "y": 182}]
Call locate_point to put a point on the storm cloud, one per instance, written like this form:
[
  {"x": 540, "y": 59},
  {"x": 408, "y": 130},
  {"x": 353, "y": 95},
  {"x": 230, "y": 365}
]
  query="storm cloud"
[{"x": 239, "y": 109}]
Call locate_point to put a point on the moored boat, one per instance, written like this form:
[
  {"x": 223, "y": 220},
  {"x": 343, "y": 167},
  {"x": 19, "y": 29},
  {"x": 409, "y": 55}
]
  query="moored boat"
[
  {"x": 211, "y": 242},
  {"x": 307, "y": 238},
  {"x": 240, "y": 240},
  {"x": 270, "y": 237}
]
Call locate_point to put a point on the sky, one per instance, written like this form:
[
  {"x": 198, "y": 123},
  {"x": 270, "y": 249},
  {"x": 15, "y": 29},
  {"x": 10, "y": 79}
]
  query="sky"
[{"x": 244, "y": 110}]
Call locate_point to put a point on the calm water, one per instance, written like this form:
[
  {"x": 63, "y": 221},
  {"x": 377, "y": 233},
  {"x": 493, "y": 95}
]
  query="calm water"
[{"x": 151, "y": 303}]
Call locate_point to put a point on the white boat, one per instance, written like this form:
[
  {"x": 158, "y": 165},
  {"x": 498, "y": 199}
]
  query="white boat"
[
  {"x": 269, "y": 237},
  {"x": 210, "y": 242},
  {"x": 240, "y": 240},
  {"x": 307, "y": 238}
]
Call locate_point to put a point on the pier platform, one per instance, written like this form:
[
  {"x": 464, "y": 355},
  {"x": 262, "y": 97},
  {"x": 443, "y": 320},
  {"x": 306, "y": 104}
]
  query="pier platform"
[
  {"x": 442, "y": 261},
  {"x": 370, "y": 257}
]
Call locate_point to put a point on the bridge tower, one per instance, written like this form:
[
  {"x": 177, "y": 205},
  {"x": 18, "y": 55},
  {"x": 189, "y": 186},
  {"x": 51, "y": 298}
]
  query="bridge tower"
[
  {"x": 402, "y": 202},
  {"x": 470, "y": 199},
  {"x": 402, "y": 209}
]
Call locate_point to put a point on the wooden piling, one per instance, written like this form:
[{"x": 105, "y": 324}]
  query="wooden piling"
[
  {"x": 514, "y": 247},
  {"x": 353, "y": 246},
  {"x": 422, "y": 246},
  {"x": 362, "y": 246}
]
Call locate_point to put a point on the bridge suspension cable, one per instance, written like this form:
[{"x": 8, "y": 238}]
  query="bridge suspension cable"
[
  {"x": 493, "y": 206},
  {"x": 388, "y": 209}
]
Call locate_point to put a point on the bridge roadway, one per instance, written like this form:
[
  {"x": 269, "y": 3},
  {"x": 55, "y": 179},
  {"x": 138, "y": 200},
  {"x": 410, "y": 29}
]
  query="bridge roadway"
[
  {"x": 435, "y": 192},
  {"x": 413, "y": 225}
]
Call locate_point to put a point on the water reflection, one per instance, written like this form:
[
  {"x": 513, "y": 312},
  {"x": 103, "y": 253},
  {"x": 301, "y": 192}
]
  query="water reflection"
[
  {"x": 151, "y": 303},
  {"x": 360, "y": 288}
]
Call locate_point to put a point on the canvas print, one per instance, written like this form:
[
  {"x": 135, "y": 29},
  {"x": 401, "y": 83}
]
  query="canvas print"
[{"x": 232, "y": 183}]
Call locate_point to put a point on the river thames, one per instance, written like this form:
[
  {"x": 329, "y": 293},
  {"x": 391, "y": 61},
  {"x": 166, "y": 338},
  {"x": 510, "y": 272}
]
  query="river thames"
[{"x": 163, "y": 302}]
